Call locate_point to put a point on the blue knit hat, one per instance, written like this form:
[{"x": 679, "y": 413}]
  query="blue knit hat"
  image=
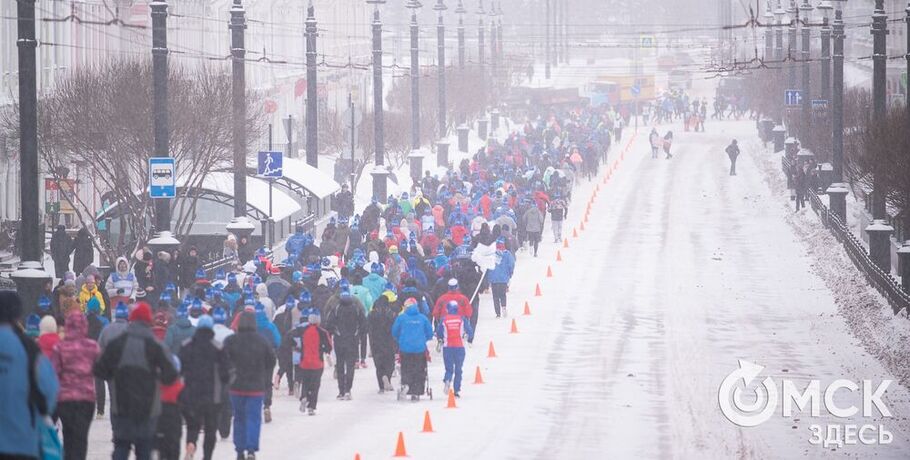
[{"x": 121, "y": 311}]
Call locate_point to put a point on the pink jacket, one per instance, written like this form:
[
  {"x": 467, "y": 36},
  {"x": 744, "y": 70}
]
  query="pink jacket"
[{"x": 73, "y": 358}]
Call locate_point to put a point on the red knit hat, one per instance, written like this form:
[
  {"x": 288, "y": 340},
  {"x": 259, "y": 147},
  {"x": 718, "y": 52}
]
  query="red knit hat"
[{"x": 142, "y": 313}]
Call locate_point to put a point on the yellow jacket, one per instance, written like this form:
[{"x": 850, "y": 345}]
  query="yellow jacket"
[{"x": 85, "y": 295}]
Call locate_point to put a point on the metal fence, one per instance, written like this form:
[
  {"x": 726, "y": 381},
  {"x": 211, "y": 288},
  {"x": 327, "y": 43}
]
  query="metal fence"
[
  {"x": 886, "y": 284},
  {"x": 227, "y": 263}
]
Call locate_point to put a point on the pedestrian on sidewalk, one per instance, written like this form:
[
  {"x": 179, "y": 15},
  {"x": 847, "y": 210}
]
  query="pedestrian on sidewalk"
[
  {"x": 667, "y": 143},
  {"x": 800, "y": 182},
  {"x": 558, "y": 212},
  {"x": 450, "y": 332},
  {"x": 72, "y": 359},
  {"x": 205, "y": 373},
  {"x": 250, "y": 355},
  {"x": 412, "y": 330},
  {"x": 533, "y": 222},
  {"x": 346, "y": 324},
  {"x": 733, "y": 152},
  {"x": 380, "y": 321}
]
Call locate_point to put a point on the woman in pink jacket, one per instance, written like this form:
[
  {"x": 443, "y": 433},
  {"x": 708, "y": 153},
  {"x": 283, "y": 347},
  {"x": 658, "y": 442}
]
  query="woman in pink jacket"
[{"x": 73, "y": 358}]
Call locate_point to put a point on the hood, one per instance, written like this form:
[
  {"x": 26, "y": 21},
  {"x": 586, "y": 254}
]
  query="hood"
[
  {"x": 412, "y": 310},
  {"x": 117, "y": 266},
  {"x": 262, "y": 290},
  {"x": 48, "y": 325},
  {"x": 247, "y": 322},
  {"x": 76, "y": 326}
]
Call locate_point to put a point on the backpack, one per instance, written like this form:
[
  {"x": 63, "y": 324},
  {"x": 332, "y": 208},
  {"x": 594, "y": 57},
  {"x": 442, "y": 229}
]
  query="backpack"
[{"x": 49, "y": 445}]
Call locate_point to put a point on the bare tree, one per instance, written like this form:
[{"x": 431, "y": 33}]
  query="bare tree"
[{"x": 101, "y": 119}]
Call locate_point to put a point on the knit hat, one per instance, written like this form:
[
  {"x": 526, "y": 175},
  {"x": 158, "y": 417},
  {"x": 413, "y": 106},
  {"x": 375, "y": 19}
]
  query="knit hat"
[
  {"x": 142, "y": 313},
  {"x": 407, "y": 303},
  {"x": 32, "y": 324},
  {"x": 121, "y": 311},
  {"x": 48, "y": 325},
  {"x": 10, "y": 307},
  {"x": 205, "y": 322},
  {"x": 453, "y": 284},
  {"x": 44, "y": 303},
  {"x": 452, "y": 307},
  {"x": 93, "y": 305},
  {"x": 219, "y": 316}
]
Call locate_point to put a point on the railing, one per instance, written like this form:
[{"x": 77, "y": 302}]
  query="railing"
[
  {"x": 886, "y": 284},
  {"x": 308, "y": 223}
]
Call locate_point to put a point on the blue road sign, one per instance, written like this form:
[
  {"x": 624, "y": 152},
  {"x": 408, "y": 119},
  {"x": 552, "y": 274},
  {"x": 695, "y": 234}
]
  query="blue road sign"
[
  {"x": 270, "y": 164},
  {"x": 793, "y": 97},
  {"x": 819, "y": 104},
  {"x": 162, "y": 177}
]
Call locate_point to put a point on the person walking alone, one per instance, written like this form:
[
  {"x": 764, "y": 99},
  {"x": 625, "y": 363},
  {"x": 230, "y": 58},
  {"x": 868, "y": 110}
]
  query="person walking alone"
[
  {"x": 655, "y": 141},
  {"x": 667, "y": 143},
  {"x": 733, "y": 152}
]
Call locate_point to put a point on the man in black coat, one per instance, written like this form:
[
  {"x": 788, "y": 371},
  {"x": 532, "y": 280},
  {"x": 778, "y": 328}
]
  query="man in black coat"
[
  {"x": 84, "y": 252},
  {"x": 187, "y": 264},
  {"x": 346, "y": 323},
  {"x": 205, "y": 371},
  {"x": 252, "y": 358},
  {"x": 61, "y": 247},
  {"x": 382, "y": 345},
  {"x": 134, "y": 364}
]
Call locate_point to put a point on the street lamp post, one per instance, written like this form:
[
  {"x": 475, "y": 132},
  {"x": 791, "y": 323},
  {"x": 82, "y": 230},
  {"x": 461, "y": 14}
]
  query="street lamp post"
[
  {"x": 480, "y": 37},
  {"x": 379, "y": 173},
  {"x": 837, "y": 192},
  {"x": 547, "y": 43},
  {"x": 159, "y": 101},
  {"x": 879, "y": 231},
  {"x": 793, "y": 13},
  {"x": 825, "y": 8},
  {"x": 460, "y": 10},
  {"x": 163, "y": 239},
  {"x": 442, "y": 147},
  {"x": 769, "y": 37},
  {"x": 238, "y": 68},
  {"x": 779, "y": 14},
  {"x": 494, "y": 65},
  {"x": 312, "y": 117},
  {"x": 413, "y": 5},
  {"x": 440, "y": 8},
  {"x": 806, "y": 12},
  {"x": 30, "y": 276}
]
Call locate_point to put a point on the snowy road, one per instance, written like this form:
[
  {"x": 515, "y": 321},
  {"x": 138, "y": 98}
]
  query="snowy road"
[{"x": 682, "y": 271}]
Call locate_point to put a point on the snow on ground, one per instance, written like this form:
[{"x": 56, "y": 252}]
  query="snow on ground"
[{"x": 681, "y": 271}]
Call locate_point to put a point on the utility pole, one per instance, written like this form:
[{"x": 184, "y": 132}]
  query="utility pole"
[
  {"x": 159, "y": 102},
  {"x": 460, "y": 9},
  {"x": 879, "y": 231},
  {"x": 769, "y": 38},
  {"x": 413, "y": 5},
  {"x": 379, "y": 173},
  {"x": 806, "y": 10},
  {"x": 238, "y": 69},
  {"x": 480, "y": 38},
  {"x": 557, "y": 34},
  {"x": 494, "y": 65},
  {"x": 312, "y": 116},
  {"x": 30, "y": 276},
  {"x": 547, "y": 44},
  {"x": 791, "y": 45},
  {"x": 440, "y": 8},
  {"x": 826, "y": 8},
  {"x": 837, "y": 192}
]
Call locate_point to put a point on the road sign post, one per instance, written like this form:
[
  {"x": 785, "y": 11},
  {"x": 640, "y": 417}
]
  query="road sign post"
[
  {"x": 162, "y": 178},
  {"x": 271, "y": 167}
]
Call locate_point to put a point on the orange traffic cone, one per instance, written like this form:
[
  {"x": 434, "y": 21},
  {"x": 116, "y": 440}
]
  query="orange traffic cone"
[
  {"x": 356, "y": 456},
  {"x": 514, "y": 327},
  {"x": 451, "y": 404},
  {"x": 427, "y": 424},
  {"x": 574, "y": 233},
  {"x": 549, "y": 271},
  {"x": 582, "y": 227},
  {"x": 491, "y": 353},
  {"x": 537, "y": 292},
  {"x": 565, "y": 243},
  {"x": 586, "y": 215},
  {"x": 478, "y": 377},
  {"x": 400, "y": 451},
  {"x": 558, "y": 256},
  {"x": 527, "y": 309}
]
